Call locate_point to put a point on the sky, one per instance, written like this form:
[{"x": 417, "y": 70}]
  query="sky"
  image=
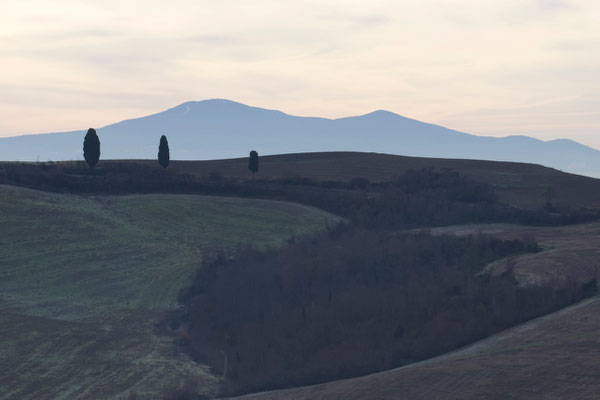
[{"x": 511, "y": 67}]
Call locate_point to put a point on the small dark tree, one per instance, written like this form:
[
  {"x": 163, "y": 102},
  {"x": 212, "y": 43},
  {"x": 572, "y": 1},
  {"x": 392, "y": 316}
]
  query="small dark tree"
[
  {"x": 91, "y": 148},
  {"x": 253, "y": 163},
  {"x": 163, "y": 152}
]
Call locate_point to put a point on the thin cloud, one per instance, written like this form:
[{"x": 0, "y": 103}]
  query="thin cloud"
[
  {"x": 420, "y": 58},
  {"x": 214, "y": 40},
  {"x": 370, "y": 20},
  {"x": 555, "y": 5}
]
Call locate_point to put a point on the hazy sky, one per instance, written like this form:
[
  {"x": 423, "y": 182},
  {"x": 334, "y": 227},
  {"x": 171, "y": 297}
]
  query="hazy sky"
[{"x": 483, "y": 66}]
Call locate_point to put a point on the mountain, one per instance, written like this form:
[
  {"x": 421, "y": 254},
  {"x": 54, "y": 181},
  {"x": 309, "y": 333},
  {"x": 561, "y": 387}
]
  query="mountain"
[{"x": 213, "y": 129}]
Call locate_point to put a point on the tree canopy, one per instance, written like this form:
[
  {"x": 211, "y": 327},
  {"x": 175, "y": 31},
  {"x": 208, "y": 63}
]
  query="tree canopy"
[
  {"x": 163, "y": 152},
  {"x": 91, "y": 148},
  {"x": 253, "y": 162}
]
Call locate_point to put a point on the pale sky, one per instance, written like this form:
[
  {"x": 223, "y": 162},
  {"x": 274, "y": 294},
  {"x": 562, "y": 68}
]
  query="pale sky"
[{"x": 487, "y": 67}]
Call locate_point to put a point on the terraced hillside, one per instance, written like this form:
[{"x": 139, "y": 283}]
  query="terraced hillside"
[{"x": 84, "y": 279}]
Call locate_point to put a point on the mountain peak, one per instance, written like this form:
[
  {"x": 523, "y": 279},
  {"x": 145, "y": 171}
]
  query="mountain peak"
[
  {"x": 210, "y": 102},
  {"x": 382, "y": 113}
]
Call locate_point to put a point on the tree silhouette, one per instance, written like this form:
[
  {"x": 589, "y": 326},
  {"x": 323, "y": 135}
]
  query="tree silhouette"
[
  {"x": 91, "y": 148},
  {"x": 253, "y": 163},
  {"x": 163, "y": 152}
]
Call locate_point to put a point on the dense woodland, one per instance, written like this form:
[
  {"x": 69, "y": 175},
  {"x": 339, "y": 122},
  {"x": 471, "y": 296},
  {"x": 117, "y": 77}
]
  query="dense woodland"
[{"x": 351, "y": 302}]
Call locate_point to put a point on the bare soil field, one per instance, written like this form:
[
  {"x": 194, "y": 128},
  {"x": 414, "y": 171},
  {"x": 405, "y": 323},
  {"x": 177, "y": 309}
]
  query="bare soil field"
[{"x": 570, "y": 254}]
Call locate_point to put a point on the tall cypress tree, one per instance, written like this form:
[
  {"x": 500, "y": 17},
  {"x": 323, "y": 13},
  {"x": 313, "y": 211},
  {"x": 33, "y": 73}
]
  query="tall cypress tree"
[
  {"x": 91, "y": 148},
  {"x": 253, "y": 163},
  {"x": 163, "y": 152}
]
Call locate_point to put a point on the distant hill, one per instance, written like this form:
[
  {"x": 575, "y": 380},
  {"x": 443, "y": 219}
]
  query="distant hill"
[
  {"x": 518, "y": 184},
  {"x": 215, "y": 129}
]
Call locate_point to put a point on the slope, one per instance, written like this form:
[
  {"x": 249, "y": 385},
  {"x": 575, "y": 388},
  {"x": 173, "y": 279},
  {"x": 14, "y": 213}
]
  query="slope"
[
  {"x": 85, "y": 279},
  {"x": 552, "y": 357},
  {"x": 523, "y": 185}
]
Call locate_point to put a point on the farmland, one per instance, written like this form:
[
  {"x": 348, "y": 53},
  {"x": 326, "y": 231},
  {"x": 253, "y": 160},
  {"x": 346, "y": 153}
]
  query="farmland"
[
  {"x": 84, "y": 280},
  {"x": 552, "y": 357},
  {"x": 87, "y": 276},
  {"x": 520, "y": 184}
]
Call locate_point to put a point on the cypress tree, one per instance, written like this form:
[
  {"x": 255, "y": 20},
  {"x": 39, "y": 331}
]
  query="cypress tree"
[
  {"x": 163, "y": 152},
  {"x": 253, "y": 163},
  {"x": 91, "y": 148}
]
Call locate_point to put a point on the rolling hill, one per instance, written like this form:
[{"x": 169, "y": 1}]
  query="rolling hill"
[
  {"x": 552, "y": 357},
  {"x": 83, "y": 281},
  {"x": 223, "y": 129},
  {"x": 519, "y": 184}
]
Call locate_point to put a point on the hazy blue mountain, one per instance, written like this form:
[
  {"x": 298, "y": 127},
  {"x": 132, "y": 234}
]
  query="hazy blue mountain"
[{"x": 214, "y": 129}]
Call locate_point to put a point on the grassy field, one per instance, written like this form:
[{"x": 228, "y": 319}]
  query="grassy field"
[
  {"x": 84, "y": 279},
  {"x": 552, "y": 357},
  {"x": 520, "y": 184}
]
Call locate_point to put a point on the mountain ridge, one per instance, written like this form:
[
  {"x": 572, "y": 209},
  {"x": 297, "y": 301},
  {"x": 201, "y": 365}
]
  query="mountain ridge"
[{"x": 220, "y": 128}]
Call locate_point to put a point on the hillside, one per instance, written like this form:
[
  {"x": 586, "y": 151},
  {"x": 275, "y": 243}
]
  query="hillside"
[
  {"x": 222, "y": 129},
  {"x": 84, "y": 280},
  {"x": 138, "y": 250},
  {"x": 570, "y": 253},
  {"x": 328, "y": 344},
  {"x": 521, "y": 184},
  {"x": 552, "y": 357}
]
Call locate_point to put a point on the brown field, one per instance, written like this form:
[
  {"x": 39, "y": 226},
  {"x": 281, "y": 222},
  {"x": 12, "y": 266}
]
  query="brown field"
[
  {"x": 520, "y": 184},
  {"x": 571, "y": 254}
]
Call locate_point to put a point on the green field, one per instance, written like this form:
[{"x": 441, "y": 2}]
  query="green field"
[{"x": 84, "y": 279}]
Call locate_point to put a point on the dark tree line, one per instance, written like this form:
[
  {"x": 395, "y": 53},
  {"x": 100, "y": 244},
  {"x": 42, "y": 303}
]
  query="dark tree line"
[
  {"x": 163, "y": 152},
  {"x": 91, "y": 148},
  {"x": 442, "y": 197},
  {"x": 253, "y": 163},
  {"x": 353, "y": 301}
]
